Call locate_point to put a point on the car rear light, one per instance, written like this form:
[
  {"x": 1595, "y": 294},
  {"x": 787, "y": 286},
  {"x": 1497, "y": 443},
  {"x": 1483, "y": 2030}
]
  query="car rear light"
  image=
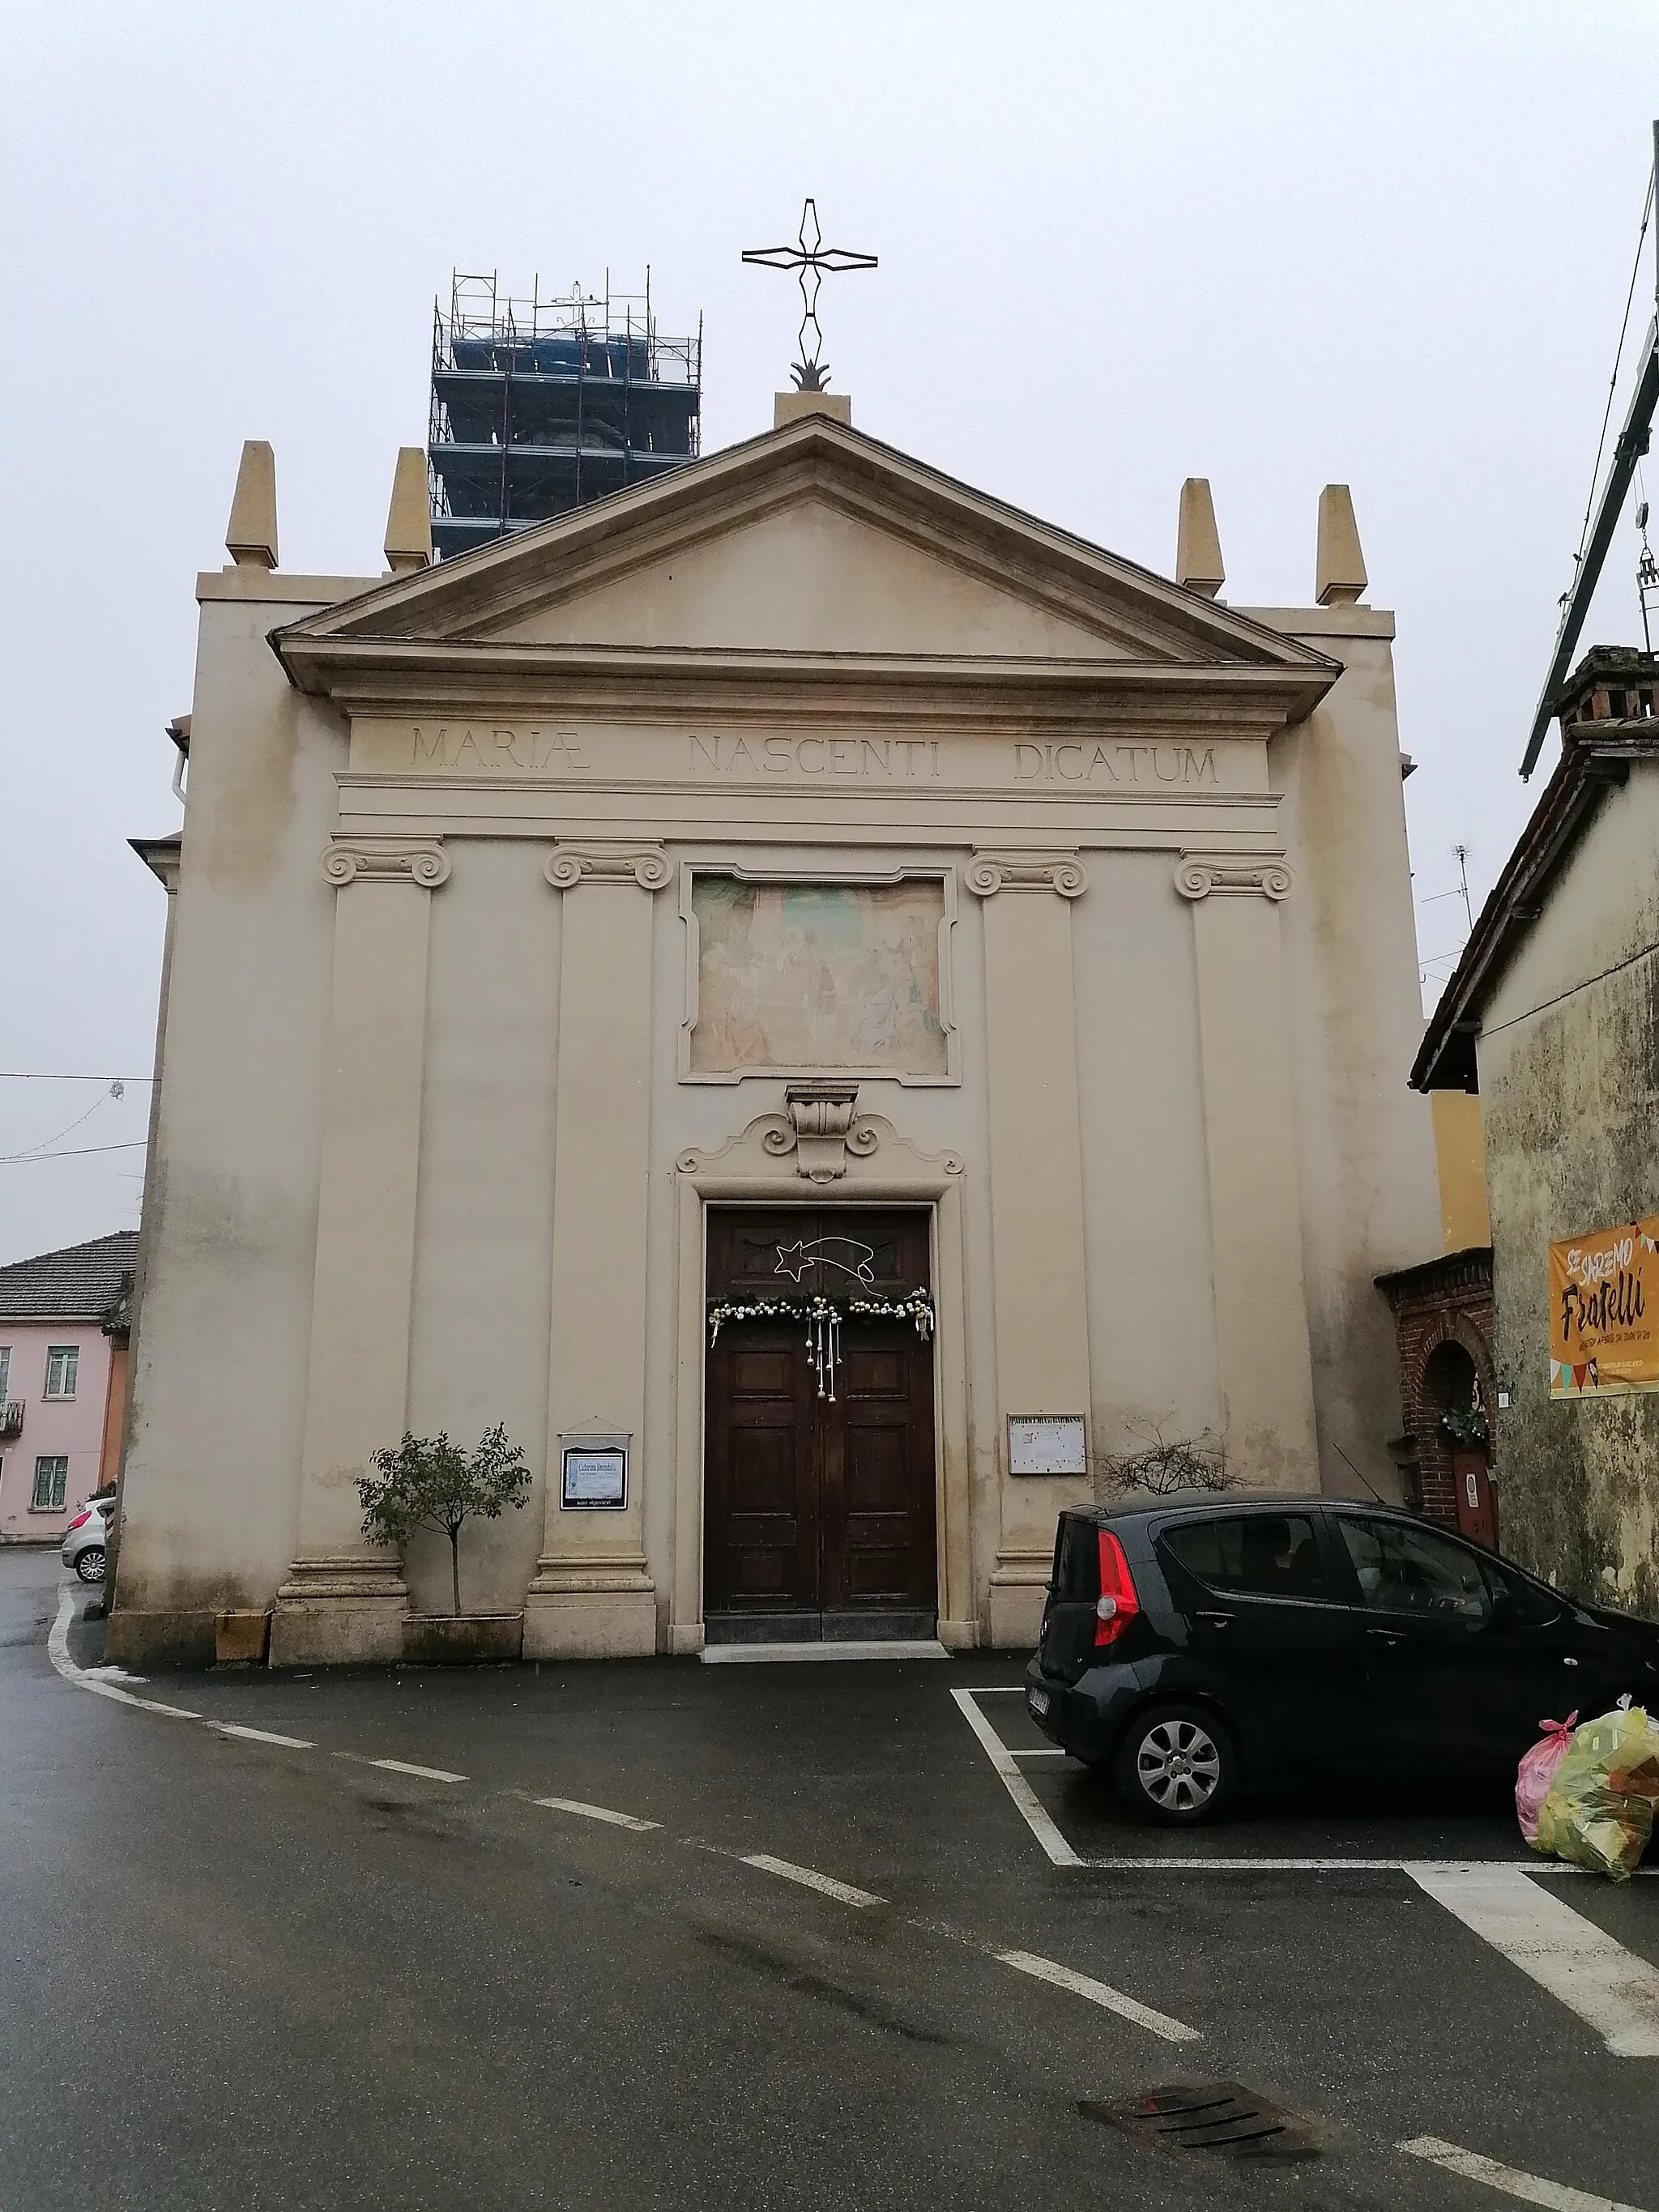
[
  {"x": 79, "y": 1522},
  {"x": 1117, "y": 1604}
]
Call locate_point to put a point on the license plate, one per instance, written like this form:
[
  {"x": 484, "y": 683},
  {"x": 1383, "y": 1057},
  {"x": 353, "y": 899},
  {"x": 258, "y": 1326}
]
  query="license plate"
[{"x": 1038, "y": 1700}]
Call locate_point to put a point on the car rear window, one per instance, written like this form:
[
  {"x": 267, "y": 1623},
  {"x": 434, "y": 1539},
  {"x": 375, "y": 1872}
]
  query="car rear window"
[
  {"x": 1262, "y": 1554},
  {"x": 1077, "y": 1562}
]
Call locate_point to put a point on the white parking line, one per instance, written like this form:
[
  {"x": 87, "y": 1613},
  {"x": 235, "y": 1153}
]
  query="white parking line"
[
  {"x": 1531, "y": 2188},
  {"x": 597, "y": 1812},
  {"x": 843, "y": 1891},
  {"x": 1100, "y": 1993},
  {"x": 1059, "y": 1851},
  {"x": 1610, "y": 1988},
  {"x": 420, "y": 1773},
  {"x": 262, "y": 1735}
]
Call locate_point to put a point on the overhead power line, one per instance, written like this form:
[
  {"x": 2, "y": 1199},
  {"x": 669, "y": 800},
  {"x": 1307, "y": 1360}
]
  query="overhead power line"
[
  {"x": 38, "y": 1075},
  {"x": 74, "y": 1153}
]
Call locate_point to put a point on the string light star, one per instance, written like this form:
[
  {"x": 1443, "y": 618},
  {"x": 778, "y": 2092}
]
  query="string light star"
[{"x": 812, "y": 261}]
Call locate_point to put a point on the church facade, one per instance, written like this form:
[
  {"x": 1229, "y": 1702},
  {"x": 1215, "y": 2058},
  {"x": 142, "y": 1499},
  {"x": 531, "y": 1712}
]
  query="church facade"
[{"x": 832, "y": 1010}]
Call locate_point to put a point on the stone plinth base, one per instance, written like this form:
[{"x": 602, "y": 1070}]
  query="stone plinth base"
[
  {"x": 461, "y": 1639},
  {"x": 139, "y": 1639},
  {"x": 240, "y": 1638},
  {"x": 339, "y": 1613},
  {"x": 959, "y": 1635},
  {"x": 607, "y": 1610},
  {"x": 1019, "y": 1587}
]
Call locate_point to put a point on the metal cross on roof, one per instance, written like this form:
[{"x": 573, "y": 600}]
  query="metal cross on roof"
[{"x": 812, "y": 260}]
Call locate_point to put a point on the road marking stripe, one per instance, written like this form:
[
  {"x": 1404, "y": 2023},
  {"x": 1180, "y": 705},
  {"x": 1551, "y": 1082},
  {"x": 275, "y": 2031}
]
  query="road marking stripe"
[
  {"x": 1529, "y": 2187},
  {"x": 597, "y": 1812},
  {"x": 1060, "y": 1851},
  {"x": 1610, "y": 1988},
  {"x": 1100, "y": 1993},
  {"x": 422, "y": 1773},
  {"x": 1042, "y": 1751},
  {"x": 1531, "y": 1868},
  {"x": 263, "y": 1736},
  {"x": 842, "y": 1890}
]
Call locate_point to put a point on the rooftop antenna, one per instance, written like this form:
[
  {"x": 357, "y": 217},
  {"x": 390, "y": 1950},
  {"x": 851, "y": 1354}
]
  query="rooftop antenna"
[
  {"x": 813, "y": 260},
  {"x": 1628, "y": 449}
]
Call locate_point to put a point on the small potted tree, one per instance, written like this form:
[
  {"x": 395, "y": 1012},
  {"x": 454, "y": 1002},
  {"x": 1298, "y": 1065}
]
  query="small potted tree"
[{"x": 426, "y": 1482}]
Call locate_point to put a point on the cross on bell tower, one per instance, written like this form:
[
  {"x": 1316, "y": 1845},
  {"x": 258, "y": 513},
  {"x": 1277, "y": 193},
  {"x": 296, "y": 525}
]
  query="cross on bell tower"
[{"x": 812, "y": 260}]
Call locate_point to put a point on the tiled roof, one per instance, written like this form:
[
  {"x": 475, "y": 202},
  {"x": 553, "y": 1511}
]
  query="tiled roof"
[{"x": 75, "y": 1283}]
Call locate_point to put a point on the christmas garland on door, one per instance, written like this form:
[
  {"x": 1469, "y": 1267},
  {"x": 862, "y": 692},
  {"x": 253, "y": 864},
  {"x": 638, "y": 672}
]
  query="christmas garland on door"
[{"x": 823, "y": 1318}]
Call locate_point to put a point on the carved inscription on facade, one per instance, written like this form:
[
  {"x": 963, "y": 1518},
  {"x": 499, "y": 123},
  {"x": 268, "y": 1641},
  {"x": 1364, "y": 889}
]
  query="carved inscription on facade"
[
  {"x": 1073, "y": 762},
  {"x": 479, "y": 749},
  {"x": 888, "y": 760},
  {"x": 485, "y": 751}
]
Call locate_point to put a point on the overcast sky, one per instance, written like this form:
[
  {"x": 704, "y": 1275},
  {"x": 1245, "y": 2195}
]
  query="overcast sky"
[{"x": 1272, "y": 243}]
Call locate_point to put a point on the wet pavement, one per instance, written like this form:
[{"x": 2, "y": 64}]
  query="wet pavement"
[{"x": 235, "y": 1972}]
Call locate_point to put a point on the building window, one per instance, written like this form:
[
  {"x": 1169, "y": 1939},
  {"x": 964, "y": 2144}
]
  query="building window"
[
  {"x": 62, "y": 1360},
  {"x": 51, "y": 1482},
  {"x": 5, "y": 1370}
]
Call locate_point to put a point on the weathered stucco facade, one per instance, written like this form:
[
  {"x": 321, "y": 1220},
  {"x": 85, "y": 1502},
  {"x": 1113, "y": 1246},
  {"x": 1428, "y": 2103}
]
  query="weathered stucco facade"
[
  {"x": 438, "y": 1140},
  {"x": 1555, "y": 1012}
]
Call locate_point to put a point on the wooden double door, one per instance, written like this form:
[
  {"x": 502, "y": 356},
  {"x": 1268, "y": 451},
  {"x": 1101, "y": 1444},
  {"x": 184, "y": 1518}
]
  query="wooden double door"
[{"x": 818, "y": 1515}]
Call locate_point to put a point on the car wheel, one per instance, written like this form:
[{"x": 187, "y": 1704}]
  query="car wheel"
[
  {"x": 1176, "y": 1764},
  {"x": 90, "y": 1564}
]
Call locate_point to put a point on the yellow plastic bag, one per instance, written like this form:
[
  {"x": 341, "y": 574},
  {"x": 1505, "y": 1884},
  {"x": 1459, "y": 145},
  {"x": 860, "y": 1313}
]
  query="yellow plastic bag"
[{"x": 1599, "y": 1809}]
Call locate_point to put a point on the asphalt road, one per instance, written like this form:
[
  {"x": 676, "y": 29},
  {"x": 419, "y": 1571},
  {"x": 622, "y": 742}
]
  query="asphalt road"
[{"x": 241, "y": 1973}]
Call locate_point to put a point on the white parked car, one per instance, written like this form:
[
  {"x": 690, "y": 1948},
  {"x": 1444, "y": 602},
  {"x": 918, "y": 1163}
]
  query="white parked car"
[{"x": 84, "y": 1540}]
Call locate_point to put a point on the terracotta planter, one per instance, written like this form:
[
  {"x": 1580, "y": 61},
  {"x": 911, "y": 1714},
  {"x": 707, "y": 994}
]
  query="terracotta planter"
[{"x": 465, "y": 1639}]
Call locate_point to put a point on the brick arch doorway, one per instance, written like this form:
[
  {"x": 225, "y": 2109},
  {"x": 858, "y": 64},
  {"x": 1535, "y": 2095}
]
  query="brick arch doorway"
[
  {"x": 819, "y": 1511},
  {"x": 1453, "y": 1385}
]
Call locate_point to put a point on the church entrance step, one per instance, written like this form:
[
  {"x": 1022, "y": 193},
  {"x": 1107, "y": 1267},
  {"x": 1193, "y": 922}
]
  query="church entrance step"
[{"x": 865, "y": 1627}]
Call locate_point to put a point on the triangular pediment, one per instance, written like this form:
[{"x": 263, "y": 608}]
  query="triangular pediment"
[{"x": 814, "y": 540}]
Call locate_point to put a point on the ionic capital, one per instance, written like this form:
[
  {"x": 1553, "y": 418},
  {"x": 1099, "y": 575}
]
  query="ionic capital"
[
  {"x": 990, "y": 871},
  {"x": 420, "y": 860},
  {"x": 1263, "y": 875},
  {"x": 647, "y": 865}
]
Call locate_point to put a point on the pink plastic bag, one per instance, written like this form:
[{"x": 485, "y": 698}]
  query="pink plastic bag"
[{"x": 1537, "y": 1770}]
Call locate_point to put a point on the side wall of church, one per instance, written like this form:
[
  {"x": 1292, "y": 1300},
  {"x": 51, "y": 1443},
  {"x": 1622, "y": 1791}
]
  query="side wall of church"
[
  {"x": 220, "y": 1358},
  {"x": 1364, "y": 1141}
]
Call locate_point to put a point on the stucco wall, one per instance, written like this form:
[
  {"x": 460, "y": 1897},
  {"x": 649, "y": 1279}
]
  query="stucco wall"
[
  {"x": 52, "y": 1426},
  {"x": 218, "y": 1378},
  {"x": 1364, "y": 1143},
  {"x": 1569, "y": 1064}
]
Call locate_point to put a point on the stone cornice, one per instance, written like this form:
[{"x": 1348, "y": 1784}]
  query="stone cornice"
[
  {"x": 992, "y": 870},
  {"x": 1208, "y": 875},
  {"x": 447, "y": 676},
  {"x": 376, "y": 859},
  {"x": 647, "y": 865}
]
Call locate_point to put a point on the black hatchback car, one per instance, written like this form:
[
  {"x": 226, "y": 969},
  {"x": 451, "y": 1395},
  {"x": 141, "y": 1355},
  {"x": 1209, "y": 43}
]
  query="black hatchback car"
[{"x": 1196, "y": 1644}]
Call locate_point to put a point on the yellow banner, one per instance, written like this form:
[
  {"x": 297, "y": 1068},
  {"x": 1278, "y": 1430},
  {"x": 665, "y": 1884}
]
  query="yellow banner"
[{"x": 1604, "y": 1311}]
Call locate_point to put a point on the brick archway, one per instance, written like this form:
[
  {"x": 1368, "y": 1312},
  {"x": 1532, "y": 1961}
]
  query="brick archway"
[{"x": 1444, "y": 1300}]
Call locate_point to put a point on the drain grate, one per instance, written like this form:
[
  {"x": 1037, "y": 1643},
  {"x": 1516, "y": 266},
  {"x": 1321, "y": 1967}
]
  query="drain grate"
[{"x": 1224, "y": 2117}]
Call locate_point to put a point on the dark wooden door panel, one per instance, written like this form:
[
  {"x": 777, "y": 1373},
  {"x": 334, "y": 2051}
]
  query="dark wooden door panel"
[{"x": 812, "y": 1504}]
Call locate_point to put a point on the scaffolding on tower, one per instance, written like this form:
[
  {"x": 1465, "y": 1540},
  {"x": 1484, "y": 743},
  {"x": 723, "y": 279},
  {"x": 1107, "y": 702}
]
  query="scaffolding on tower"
[{"x": 539, "y": 405}]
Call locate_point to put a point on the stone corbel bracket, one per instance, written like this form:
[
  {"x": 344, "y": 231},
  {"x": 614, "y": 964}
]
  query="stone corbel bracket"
[
  {"x": 373, "y": 859},
  {"x": 820, "y": 1125},
  {"x": 1262, "y": 875},
  {"x": 990, "y": 872},
  {"x": 647, "y": 865}
]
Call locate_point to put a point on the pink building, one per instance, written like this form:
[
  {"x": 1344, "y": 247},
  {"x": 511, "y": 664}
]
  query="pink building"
[{"x": 62, "y": 1381}]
